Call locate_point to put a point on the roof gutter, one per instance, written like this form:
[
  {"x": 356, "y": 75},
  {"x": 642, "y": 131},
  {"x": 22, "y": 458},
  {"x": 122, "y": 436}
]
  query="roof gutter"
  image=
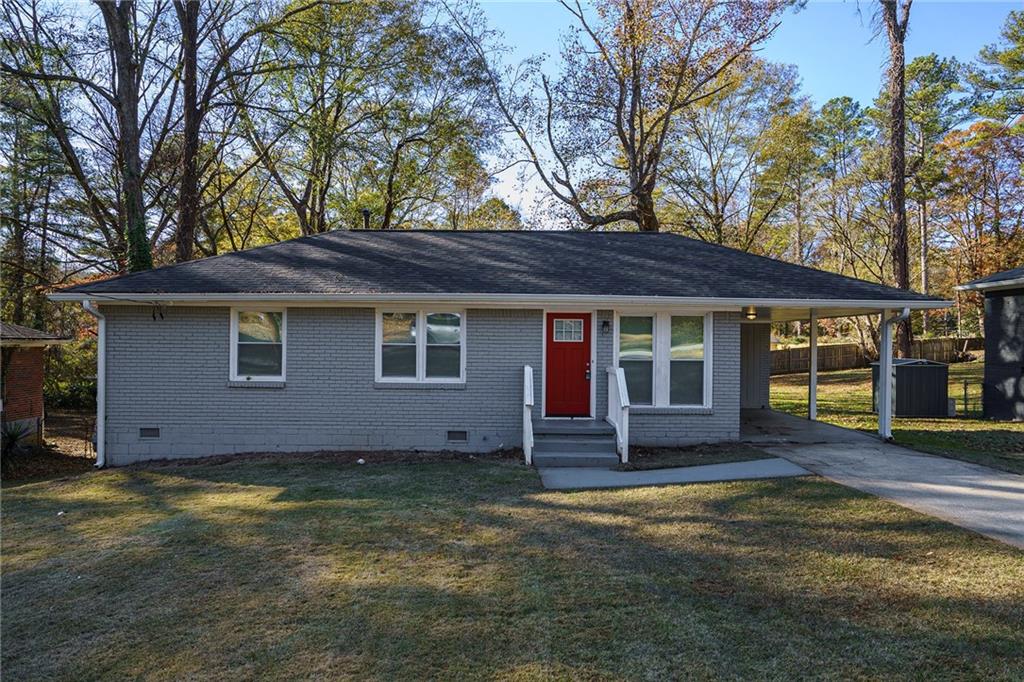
[
  {"x": 101, "y": 382},
  {"x": 500, "y": 299},
  {"x": 1016, "y": 283}
]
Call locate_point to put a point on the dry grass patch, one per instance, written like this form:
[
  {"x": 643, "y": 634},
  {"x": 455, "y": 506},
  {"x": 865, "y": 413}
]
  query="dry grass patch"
[
  {"x": 282, "y": 568},
  {"x": 844, "y": 399}
]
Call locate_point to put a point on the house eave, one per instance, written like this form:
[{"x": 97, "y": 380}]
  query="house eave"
[
  {"x": 730, "y": 304},
  {"x": 992, "y": 286},
  {"x": 32, "y": 343}
]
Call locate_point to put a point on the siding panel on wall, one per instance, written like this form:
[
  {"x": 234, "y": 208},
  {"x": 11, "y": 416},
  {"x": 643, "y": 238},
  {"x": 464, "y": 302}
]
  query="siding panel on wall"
[{"x": 755, "y": 365}]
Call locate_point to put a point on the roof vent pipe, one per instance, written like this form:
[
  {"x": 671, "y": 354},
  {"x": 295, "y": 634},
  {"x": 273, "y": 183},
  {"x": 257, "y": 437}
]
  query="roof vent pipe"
[{"x": 366, "y": 218}]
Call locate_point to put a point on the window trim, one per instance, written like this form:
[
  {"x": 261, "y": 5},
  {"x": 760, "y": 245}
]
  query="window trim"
[
  {"x": 554, "y": 331},
  {"x": 662, "y": 354},
  {"x": 421, "y": 345},
  {"x": 233, "y": 374}
]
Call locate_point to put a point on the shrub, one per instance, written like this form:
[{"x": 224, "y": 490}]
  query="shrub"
[{"x": 70, "y": 381}]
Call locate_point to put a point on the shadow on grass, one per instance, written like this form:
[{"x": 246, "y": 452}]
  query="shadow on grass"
[{"x": 284, "y": 569}]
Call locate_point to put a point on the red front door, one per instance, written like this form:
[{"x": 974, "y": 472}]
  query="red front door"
[{"x": 567, "y": 390}]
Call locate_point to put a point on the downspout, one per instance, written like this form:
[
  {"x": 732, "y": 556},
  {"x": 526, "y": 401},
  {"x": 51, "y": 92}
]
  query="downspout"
[{"x": 101, "y": 382}]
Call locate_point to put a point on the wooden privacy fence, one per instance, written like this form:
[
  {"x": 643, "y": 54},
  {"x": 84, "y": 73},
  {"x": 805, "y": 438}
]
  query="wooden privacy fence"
[{"x": 850, "y": 355}]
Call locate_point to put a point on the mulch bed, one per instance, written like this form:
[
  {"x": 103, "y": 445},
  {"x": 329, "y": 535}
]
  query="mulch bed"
[
  {"x": 66, "y": 452},
  {"x": 645, "y": 458}
]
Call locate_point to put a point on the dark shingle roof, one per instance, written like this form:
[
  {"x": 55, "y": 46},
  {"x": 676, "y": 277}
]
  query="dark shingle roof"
[
  {"x": 525, "y": 262},
  {"x": 995, "y": 279},
  {"x": 15, "y": 332}
]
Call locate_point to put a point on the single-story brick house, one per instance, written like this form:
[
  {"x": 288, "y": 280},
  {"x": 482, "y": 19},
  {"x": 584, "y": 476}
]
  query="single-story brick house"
[
  {"x": 1002, "y": 395},
  {"x": 569, "y": 343},
  {"x": 21, "y": 384}
]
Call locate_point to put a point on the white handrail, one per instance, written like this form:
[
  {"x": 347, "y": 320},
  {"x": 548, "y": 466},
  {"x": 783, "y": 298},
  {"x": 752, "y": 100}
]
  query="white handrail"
[
  {"x": 528, "y": 414},
  {"x": 618, "y": 410}
]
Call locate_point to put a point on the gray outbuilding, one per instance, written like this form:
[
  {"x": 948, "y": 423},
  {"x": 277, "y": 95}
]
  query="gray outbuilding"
[{"x": 1003, "y": 388}]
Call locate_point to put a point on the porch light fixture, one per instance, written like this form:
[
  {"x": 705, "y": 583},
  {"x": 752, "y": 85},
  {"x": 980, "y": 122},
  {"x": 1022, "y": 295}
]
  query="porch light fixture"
[
  {"x": 605, "y": 326},
  {"x": 750, "y": 312}
]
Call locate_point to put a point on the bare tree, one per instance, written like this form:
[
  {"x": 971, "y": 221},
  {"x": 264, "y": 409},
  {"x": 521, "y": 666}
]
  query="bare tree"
[
  {"x": 596, "y": 136},
  {"x": 124, "y": 92},
  {"x": 212, "y": 76}
]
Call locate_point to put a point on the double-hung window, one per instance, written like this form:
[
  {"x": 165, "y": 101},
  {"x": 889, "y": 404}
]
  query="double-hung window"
[
  {"x": 421, "y": 345},
  {"x": 258, "y": 339},
  {"x": 665, "y": 359}
]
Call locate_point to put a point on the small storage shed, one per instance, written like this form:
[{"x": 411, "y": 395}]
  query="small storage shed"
[
  {"x": 922, "y": 387},
  {"x": 1003, "y": 388},
  {"x": 21, "y": 377}
]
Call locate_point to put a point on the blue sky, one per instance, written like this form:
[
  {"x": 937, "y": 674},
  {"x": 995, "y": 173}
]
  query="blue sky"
[{"x": 829, "y": 42}]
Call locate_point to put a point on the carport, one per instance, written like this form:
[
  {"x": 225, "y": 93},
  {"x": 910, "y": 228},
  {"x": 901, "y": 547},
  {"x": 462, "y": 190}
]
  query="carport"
[{"x": 755, "y": 351}]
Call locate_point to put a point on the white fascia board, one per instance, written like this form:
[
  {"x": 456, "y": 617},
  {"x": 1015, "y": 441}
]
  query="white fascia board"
[
  {"x": 500, "y": 300},
  {"x": 992, "y": 286},
  {"x": 32, "y": 343}
]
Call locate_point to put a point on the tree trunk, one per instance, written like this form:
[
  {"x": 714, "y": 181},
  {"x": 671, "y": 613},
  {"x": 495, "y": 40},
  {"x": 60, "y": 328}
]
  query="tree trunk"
[
  {"x": 188, "y": 195},
  {"x": 896, "y": 27},
  {"x": 922, "y": 216},
  {"x": 14, "y": 288},
  {"x": 39, "y": 305},
  {"x": 119, "y": 19},
  {"x": 646, "y": 218}
]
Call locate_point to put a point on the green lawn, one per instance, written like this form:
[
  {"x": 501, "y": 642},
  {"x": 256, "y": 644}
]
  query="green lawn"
[
  {"x": 844, "y": 398},
  {"x": 292, "y": 569}
]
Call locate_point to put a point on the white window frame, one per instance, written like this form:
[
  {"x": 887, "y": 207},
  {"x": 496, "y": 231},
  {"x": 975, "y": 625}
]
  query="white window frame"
[
  {"x": 571, "y": 340},
  {"x": 421, "y": 346},
  {"x": 233, "y": 374},
  {"x": 662, "y": 354}
]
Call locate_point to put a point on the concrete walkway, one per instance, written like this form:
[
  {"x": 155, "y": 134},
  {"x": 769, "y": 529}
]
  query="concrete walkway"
[
  {"x": 569, "y": 478},
  {"x": 972, "y": 496}
]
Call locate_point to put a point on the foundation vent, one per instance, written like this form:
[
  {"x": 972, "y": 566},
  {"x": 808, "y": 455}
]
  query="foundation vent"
[{"x": 458, "y": 436}]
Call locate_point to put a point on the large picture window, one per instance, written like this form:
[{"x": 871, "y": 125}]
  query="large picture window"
[
  {"x": 663, "y": 357},
  {"x": 258, "y": 339},
  {"x": 420, "y": 346},
  {"x": 636, "y": 357},
  {"x": 686, "y": 361}
]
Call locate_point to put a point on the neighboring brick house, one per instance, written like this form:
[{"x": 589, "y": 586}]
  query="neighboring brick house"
[
  {"x": 436, "y": 340},
  {"x": 22, "y": 364}
]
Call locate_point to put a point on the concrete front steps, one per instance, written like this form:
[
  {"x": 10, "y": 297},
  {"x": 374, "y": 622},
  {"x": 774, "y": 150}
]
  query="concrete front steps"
[{"x": 574, "y": 443}]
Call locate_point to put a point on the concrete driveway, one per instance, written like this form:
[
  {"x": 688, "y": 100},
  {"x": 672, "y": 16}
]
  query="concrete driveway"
[{"x": 972, "y": 496}]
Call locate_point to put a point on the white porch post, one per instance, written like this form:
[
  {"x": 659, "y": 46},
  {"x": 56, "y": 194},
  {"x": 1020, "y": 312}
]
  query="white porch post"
[
  {"x": 812, "y": 385},
  {"x": 885, "y": 378}
]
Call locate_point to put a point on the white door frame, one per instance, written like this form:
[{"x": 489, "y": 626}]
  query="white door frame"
[{"x": 594, "y": 375}]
